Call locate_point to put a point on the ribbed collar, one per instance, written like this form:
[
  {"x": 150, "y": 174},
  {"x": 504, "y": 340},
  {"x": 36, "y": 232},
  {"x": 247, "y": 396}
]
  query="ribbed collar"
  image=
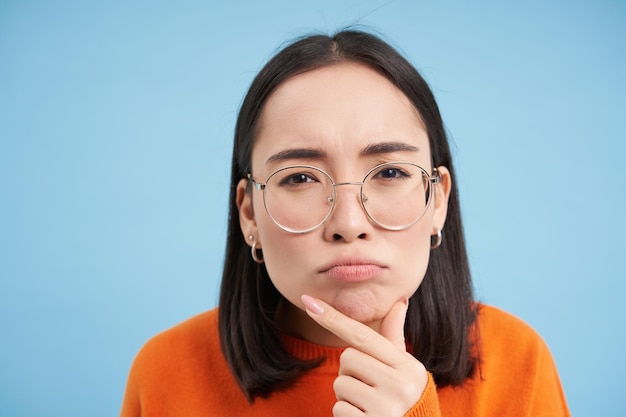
[{"x": 302, "y": 349}]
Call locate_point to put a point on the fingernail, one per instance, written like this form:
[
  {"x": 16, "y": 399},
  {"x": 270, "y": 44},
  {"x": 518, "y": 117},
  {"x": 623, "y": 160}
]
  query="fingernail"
[
  {"x": 312, "y": 304},
  {"x": 405, "y": 301}
]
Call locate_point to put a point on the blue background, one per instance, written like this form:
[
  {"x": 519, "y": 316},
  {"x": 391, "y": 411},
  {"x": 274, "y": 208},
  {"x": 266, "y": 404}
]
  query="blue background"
[{"x": 116, "y": 123}]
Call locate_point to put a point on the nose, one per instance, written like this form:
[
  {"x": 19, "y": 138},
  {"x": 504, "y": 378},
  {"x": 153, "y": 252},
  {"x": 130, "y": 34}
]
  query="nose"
[{"x": 348, "y": 221}]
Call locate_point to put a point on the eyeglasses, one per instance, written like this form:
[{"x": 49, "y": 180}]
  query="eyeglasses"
[{"x": 300, "y": 198}]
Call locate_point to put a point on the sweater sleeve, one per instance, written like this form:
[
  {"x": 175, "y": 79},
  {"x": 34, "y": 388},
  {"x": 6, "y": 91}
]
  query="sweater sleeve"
[
  {"x": 522, "y": 374},
  {"x": 428, "y": 404},
  {"x": 546, "y": 397},
  {"x": 516, "y": 375}
]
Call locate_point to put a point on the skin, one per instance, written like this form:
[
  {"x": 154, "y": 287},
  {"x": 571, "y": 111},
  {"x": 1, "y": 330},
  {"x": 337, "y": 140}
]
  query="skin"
[{"x": 347, "y": 282}]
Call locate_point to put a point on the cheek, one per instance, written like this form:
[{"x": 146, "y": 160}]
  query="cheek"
[
  {"x": 284, "y": 254},
  {"x": 286, "y": 263},
  {"x": 412, "y": 260}
]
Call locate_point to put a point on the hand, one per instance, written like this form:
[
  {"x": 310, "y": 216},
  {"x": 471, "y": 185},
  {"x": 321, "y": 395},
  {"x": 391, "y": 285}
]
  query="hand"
[{"x": 377, "y": 376}]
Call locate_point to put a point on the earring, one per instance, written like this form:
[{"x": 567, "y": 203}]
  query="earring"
[
  {"x": 435, "y": 240},
  {"x": 255, "y": 255}
]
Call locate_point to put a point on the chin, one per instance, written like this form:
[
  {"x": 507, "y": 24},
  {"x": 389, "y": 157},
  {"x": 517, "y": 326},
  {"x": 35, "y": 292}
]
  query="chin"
[
  {"x": 361, "y": 304},
  {"x": 362, "y": 312}
]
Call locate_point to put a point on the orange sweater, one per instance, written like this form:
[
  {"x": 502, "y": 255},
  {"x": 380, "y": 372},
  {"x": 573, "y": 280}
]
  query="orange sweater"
[{"x": 182, "y": 372}]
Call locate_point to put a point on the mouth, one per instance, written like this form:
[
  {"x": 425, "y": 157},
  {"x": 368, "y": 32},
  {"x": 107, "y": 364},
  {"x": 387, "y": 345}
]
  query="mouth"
[{"x": 352, "y": 270}]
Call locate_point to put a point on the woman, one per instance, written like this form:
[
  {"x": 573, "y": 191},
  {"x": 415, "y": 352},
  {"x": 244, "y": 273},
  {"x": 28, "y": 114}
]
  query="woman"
[{"x": 341, "y": 293}]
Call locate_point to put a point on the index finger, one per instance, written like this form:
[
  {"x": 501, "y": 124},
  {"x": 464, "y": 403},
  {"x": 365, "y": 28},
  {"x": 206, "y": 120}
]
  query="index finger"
[{"x": 354, "y": 333}]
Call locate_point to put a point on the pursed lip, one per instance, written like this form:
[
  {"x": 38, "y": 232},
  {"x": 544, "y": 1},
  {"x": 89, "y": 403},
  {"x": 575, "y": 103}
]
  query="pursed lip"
[{"x": 352, "y": 269}]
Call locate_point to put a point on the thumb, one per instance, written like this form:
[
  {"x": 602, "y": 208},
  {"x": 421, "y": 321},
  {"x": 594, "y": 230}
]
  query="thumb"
[{"x": 392, "y": 325}]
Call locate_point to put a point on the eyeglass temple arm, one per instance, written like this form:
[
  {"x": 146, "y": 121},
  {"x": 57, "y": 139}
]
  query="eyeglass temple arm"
[
  {"x": 434, "y": 179},
  {"x": 257, "y": 185}
]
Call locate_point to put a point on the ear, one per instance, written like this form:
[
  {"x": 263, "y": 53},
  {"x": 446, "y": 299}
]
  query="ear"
[
  {"x": 247, "y": 222},
  {"x": 442, "y": 195}
]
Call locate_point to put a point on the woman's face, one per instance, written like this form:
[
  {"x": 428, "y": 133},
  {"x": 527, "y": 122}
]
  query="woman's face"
[{"x": 344, "y": 119}]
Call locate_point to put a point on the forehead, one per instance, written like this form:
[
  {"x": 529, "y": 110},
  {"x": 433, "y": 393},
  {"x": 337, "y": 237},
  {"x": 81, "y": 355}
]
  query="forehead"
[{"x": 340, "y": 109}]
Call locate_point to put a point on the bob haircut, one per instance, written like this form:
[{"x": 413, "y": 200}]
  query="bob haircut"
[{"x": 441, "y": 312}]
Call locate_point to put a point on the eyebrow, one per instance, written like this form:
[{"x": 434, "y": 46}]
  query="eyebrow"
[
  {"x": 313, "y": 153},
  {"x": 297, "y": 153},
  {"x": 388, "y": 147}
]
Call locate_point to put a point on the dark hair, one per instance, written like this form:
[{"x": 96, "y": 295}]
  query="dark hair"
[{"x": 442, "y": 310}]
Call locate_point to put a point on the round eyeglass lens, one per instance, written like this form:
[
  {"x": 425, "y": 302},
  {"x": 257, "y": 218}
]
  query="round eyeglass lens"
[
  {"x": 299, "y": 198},
  {"x": 396, "y": 195}
]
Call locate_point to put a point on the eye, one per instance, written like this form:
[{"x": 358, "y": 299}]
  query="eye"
[
  {"x": 390, "y": 173},
  {"x": 297, "y": 178}
]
